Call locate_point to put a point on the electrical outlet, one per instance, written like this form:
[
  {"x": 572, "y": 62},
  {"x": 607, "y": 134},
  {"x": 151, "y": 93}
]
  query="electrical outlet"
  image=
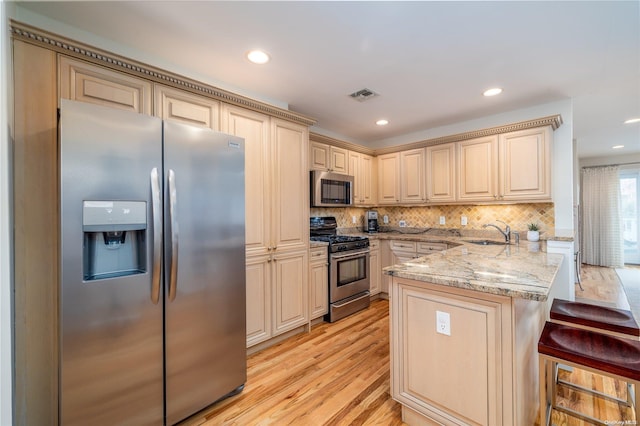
[
  {"x": 385, "y": 219},
  {"x": 402, "y": 223},
  {"x": 442, "y": 221},
  {"x": 463, "y": 220},
  {"x": 443, "y": 323},
  {"x": 354, "y": 219}
]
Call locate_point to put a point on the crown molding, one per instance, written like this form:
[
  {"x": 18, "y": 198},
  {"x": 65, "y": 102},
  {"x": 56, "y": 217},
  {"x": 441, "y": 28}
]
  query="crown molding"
[
  {"x": 316, "y": 137},
  {"x": 554, "y": 121},
  {"x": 59, "y": 44}
]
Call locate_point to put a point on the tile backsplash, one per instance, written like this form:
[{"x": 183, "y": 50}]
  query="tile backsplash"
[{"x": 518, "y": 216}]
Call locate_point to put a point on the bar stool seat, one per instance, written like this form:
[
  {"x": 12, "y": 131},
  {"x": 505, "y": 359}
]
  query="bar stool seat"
[
  {"x": 603, "y": 319},
  {"x": 600, "y": 353}
]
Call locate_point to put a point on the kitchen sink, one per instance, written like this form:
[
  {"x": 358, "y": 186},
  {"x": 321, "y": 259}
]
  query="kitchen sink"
[{"x": 487, "y": 242}]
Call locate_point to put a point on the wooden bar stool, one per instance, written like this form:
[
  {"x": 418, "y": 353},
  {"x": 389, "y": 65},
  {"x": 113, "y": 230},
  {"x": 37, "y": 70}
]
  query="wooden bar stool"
[
  {"x": 599, "y": 353},
  {"x": 601, "y": 319}
]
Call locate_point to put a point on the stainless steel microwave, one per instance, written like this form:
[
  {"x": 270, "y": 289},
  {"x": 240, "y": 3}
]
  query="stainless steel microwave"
[{"x": 331, "y": 189}]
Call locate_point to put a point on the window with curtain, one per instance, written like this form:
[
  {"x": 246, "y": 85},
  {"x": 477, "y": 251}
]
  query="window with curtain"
[{"x": 602, "y": 242}]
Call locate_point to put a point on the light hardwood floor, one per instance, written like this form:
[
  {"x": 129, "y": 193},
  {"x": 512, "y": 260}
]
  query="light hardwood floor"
[{"x": 338, "y": 374}]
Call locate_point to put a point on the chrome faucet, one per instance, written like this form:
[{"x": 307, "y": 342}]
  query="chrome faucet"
[{"x": 506, "y": 233}]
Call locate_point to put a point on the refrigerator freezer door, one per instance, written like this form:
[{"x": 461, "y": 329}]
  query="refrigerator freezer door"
[
  {"x": 111, "y": 369},
  {"x": 205, "y": 315}
]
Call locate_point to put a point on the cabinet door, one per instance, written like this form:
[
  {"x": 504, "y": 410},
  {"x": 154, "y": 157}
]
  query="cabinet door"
[
  {"x": 177, "y": 105},
  {"x": 290, "y": 183},
  {"x": 84, "y": 82},
  {"x": 258, "y": 299},
  {"x": 319, "y": 157},
  {"x": 290, "y": 291},
  {"x": 339, "y": 160},
  {"x": 525, "y": 165},
  {"x": 412, "y": 182},
  {"x": 478, "y": 169},
  {"x": 318, "y": 283},
  {"x": 389, "y": 178},
  {"x": 441, "y": 173},
  {"x": 254, "y": 128},
  {"x": 374, "y": 272},
  {"x": 361, "y": 167},
  {"x": 472, "y": 348}
]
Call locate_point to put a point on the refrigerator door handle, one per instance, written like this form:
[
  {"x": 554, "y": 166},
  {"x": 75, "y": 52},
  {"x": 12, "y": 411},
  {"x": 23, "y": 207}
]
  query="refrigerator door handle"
[
  {"x": 157, "y": 235},
  {"x": 173, "y": 271}
]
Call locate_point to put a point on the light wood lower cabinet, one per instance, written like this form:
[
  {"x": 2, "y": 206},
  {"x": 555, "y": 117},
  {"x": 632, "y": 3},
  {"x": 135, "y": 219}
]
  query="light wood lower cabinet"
[
  {"x": 277, "y": 294},
  {"x": 318, "y": 282},
  {"x": 483, "y": 372},
  {"x": 375, "y": 267}
]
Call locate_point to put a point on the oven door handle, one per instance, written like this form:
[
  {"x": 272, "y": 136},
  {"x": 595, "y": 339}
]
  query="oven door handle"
[{"x": 349, "y": 255}]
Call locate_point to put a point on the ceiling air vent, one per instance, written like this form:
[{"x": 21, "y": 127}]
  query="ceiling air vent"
[{"x": 363, "y": 95}]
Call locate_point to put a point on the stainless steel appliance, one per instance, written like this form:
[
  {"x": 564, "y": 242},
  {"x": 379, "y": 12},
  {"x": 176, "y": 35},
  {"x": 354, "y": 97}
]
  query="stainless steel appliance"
[
  {"x": 349, "y": 268},
  {"x": 152, "y": 298},
  {"x": 331, "y": 189},
  {"x": 372, "y": 220}
]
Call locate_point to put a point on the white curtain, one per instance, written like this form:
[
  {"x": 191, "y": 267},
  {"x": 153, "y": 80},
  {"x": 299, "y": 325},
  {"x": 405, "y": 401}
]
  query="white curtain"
[{"x": 602, "y": 242}]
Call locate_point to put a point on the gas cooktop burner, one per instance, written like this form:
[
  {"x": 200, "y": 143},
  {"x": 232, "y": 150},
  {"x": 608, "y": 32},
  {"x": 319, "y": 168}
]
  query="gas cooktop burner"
[
  {"x": 324, "y": 229},
  {"x": 335, "y": 239}
]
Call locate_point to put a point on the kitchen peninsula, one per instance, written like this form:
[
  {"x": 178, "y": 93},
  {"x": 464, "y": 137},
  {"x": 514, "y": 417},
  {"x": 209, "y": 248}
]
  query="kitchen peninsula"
[{"x": 464, "y": 329}]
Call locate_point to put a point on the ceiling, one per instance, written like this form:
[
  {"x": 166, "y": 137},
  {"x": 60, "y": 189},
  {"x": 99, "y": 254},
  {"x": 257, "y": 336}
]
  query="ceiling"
[{"x": 429, "y": 62}]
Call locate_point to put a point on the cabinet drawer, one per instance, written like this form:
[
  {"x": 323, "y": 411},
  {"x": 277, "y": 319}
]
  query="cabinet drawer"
[
  {"x": 318, "y": 254},
  {"x": 403, "y": 245},
  {"x": 431, "y": 247},
  {"x": 374, "y": 244}
]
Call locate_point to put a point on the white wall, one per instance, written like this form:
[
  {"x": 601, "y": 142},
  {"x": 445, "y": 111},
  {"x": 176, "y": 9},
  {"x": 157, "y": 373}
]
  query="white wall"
[{"x": 6, "y": 237}]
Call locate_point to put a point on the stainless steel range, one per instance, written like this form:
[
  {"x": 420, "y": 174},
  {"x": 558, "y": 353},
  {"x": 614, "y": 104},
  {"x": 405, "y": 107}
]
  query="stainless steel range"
[{"x": 348, "y": 268}]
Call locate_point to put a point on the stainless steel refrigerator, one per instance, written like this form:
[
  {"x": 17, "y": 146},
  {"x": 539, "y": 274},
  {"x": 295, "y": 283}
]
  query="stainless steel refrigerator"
[{"x": 152, "y": 297}]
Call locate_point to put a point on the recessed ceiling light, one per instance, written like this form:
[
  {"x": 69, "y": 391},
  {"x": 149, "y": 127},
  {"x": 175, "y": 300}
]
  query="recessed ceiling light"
[
  {"x": 492, "y": 92},
  {"x": 382, "y": 122},
  {"x": 258, "y": 57},
  {"x": 632, "y": 120},
  {"x": 617, "y": 146}
]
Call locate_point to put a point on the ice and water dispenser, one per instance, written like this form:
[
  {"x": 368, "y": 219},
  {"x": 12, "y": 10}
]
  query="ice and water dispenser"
[{"x": 114, "y": 238}]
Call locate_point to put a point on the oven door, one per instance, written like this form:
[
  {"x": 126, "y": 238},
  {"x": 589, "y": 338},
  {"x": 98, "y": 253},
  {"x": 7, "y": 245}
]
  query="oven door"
[{"x": 349, "y": 274}]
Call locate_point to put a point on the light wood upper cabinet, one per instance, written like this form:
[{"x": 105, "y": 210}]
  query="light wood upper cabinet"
[
  {"x": 441, "y": 173},
  {"x": 328, "y": 158},
  {"x": 478, "y": 169},
  {"x": 177, "y": 105},
  {"x": 290, "y": 183},
  {"x": 255, "y": 129},
  {"x": 362, "y": 168},
  {"x": 412, "y": 179},
  {"x": 525, "y": 160},
  {"x": 84, "y": 82},
  {"x": 389, "y": 178}
]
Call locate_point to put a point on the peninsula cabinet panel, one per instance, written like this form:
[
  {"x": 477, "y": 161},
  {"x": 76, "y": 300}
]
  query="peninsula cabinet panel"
[
  {"x": 290, "y": 185},
  {"x": 362, "y": 168},
  {"x": 258, "y": 282},
  {"x": 469, "y": 390},
  {"x": 177, "y": 105},
  {"x": 375, "y": 271},
  {"x": 441, "y": 173},
  {"x": 412, "y": 181},
  {"x": 478, "y": 169},
  {"x": 84, "y": 82},
  {"x": 255, "y": 129},
  {"x": 525, "y": 159},
  {"x": 290, "y": 291},
  {"x": 389, "y": 178}
]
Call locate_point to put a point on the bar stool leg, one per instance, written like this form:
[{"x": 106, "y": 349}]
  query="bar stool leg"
[{"x": 576, "y": 258}]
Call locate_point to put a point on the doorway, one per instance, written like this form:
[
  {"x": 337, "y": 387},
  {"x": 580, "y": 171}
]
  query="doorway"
[{"x": 630, "y": 212}]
